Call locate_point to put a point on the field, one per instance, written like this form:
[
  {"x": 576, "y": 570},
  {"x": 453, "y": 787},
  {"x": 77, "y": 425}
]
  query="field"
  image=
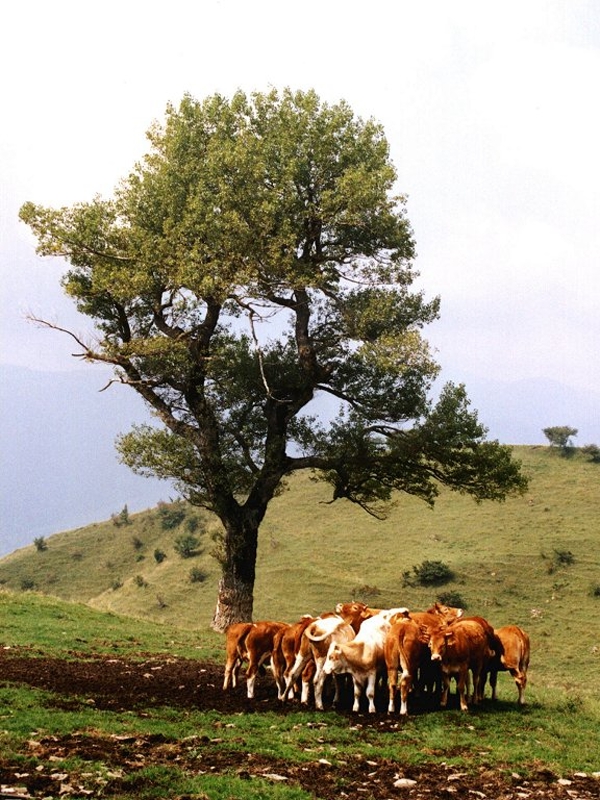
[{"x": 112, "y": 686}]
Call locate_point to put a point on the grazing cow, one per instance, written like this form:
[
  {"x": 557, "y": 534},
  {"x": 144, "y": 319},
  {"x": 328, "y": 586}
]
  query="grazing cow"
[
  {"x": 236, "y": 653},
  {"x": 406, "y": 649},
  {"x": 314, "y": 644},
  {"x": 462, "y": 646},
  {"x": 363, "y": 656},
  {"x": 514, "y": 658}
]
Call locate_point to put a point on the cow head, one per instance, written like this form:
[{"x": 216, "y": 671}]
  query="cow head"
[
  {"x": 447, "y": 613},
  {"x": 439, "y": 640}
]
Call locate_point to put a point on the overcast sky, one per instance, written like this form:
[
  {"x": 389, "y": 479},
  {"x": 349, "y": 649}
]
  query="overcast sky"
[{"x": 491, "y": 110}]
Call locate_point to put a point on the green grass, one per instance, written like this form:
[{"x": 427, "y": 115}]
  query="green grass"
[{"x": 313, "y": 554}]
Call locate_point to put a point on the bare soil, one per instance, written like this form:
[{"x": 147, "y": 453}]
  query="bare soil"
[{"x": 122, "y": 685}]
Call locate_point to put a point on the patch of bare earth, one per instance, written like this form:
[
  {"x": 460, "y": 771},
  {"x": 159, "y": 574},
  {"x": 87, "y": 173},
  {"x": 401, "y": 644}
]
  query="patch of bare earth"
[{"x": 119, "y": 684}]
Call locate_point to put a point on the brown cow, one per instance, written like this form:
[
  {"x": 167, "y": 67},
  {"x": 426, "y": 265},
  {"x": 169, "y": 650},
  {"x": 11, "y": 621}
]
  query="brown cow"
[
  {"x": 514, "y": 658},
  {"x": 286, "y": 645},
  {"x": 259, "y": 645},
  {"x": 251, "y": 642},
  {"x": 236, "y": 652},
  {"x": 406, "y": 649},
  {"x": 462, "y": 646}
]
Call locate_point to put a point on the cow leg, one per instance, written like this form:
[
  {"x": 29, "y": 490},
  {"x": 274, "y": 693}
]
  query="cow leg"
[
  {"x": 293, "y": 675},
  {"x": 358, "y": 690},
  {"x": 252, "y": 671},
  {"x": 463, "y": 688},
  {"x": 370, "y": 691},
  {"x": 477, "y": 685},
  {"x": 319, "y": 683},
  {"x": 521, "y": 682},
  {"x": 405, "y": 687},
  {"x": 251, "y": 679},
  {"x": 308, "y": 674},
  {"x": 392, "y": 688},
  {"x": 445, "y": 689},
  {"x": 232, "y": 670},
  {"x": 227, "y": 680}
]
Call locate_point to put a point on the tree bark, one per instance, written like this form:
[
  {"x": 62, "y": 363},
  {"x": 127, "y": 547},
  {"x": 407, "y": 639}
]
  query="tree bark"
[
  {"x": 235, "y": 597},
  {"x": 235, "y": 600}
]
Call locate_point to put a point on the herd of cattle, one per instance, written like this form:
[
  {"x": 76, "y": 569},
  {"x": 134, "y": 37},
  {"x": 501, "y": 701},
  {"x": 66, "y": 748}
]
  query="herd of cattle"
[{"x": 418, "y": 651}]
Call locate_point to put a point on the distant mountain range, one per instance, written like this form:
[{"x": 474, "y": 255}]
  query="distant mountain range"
[{"x": 59, "y": 468}]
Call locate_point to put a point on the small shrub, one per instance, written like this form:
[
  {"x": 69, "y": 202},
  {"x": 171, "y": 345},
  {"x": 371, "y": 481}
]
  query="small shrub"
[
  {"x": 197, "y": 575},
  {"x": 40, "y": 544},
  {"x": 564, "y": 557},
  {"x": 159, "y": 555},
  {"x": 160, "y": 601},
  {"x": 187, "y": 546},
  {"x": 595, "y": 590},
  {"x": 140, "y": 581},
  {"x": 192, "y": 523},
  {"x": 137, "y": 543},
  {"x": 593, "y": 452},
  {"x": 116, "y": 584},
  {"x": 27, "y": 584},
  {"x": 170, "y": 516},
  {"x": 453, "y": 599},
  {"x": 429, "y": 573},
  {"x": 122, "y": 518}
]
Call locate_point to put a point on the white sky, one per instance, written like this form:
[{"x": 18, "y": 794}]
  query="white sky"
[{"x": 491, "y": 110}]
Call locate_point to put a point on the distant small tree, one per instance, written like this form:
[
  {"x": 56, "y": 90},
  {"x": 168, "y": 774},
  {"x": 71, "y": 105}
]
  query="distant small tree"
[
  {"x": 40, "y": 544},
  {"x": 122, "y": 518},
  {"x": 560, "y": 436}
]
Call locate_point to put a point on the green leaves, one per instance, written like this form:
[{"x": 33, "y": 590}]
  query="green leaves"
[{"x": 272, "y": 206}]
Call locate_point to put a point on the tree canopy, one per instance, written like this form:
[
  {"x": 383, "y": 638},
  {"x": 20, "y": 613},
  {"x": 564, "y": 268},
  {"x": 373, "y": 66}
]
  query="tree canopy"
[{"x": 256, "y": 261}]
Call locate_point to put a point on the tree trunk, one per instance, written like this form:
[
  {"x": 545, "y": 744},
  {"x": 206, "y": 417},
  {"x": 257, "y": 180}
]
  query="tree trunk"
[{"x": 235, "y": 598}]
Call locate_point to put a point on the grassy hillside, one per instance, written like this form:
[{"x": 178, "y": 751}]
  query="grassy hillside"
[{"x": 533, "y": 560}]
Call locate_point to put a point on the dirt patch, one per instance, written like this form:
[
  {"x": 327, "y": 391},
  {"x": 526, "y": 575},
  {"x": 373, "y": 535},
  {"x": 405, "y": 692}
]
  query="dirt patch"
[{"x": 118, "y": 684}]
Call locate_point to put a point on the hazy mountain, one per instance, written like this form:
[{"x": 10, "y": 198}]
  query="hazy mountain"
[{"x": 59, "y": 468}]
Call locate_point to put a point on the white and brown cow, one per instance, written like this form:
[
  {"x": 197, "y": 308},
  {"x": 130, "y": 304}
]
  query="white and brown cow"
[
  {"x": 314, "y": 644},
  {"x": 363, "y": 657}
]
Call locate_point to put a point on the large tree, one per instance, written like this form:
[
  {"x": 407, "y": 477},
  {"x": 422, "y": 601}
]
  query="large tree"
[{"x": 254, "y": 262}]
